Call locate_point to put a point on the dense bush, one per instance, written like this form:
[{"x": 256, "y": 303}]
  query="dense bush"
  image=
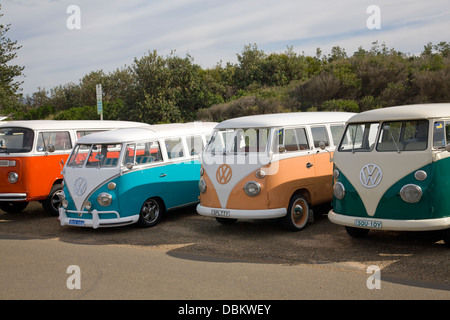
[{"x": 157, "y": 89}]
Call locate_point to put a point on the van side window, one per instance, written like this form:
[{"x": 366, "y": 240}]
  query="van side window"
[
  {"x": 320, "y": 134},
  {"x": 147, "y": 152},
  {"x": 59, "y": 139},
  {"x": 86, "y": 132},
  {"x": 336, "y": 132},
  {"x": 174, "y": 148},
  {"x": 441, "y": 134},
  {"x": 294, "y": 139},
  {"x": 194, "y": 144}
]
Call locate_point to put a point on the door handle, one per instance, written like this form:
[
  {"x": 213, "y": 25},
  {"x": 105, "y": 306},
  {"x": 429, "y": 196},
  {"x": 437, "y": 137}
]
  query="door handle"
[
  {"x": 309, "y": 165},
  {"x": 162, "y": 175}
]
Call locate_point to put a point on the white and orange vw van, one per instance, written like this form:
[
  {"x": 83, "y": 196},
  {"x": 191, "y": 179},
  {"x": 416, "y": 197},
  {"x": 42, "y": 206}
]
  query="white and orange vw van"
[
  {"x": 270, "y": 166},
  {"x": 32, "y": 154}
]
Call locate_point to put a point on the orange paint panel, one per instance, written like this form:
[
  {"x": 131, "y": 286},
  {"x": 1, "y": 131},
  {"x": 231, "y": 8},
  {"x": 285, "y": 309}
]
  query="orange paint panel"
[
  {"x": 238, "y": 199},
  {"x": 323, "y": 190},
  {"x": 292, "y": 175},
  {"x": 209, "y": 198},
  {"x": 21, "y": 186},
  {"x": 276, "y": 189},
  {"x": 36, "y": 175},
  {"x": 43, "y": 172},
  {"x": 310, "y": 173}
]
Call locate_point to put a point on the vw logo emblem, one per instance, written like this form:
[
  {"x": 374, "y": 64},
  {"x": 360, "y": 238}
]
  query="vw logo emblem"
[
  {"x": 223, "y": 174},
  {"x": 80, "y": 186},
  {"x": 370, "y": 175}
]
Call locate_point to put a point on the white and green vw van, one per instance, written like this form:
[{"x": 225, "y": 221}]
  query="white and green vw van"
[{"x": 392, "y": 171}]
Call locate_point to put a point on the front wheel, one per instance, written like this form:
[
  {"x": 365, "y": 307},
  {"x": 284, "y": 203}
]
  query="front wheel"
[
  {"x": 226, "y": 220},
  {"x": 53, "y": 202},
  {"x": 13, "y": 206},
  {"x": 357, "y": 232},
  {"x": 150, "y": 213},
  {"x": 298, "y": 213},
  {"x": 446, "y": 237}
]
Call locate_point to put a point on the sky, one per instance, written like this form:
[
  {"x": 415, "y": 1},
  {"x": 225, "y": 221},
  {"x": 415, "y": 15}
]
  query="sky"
[{"x": 60, "y": 45}]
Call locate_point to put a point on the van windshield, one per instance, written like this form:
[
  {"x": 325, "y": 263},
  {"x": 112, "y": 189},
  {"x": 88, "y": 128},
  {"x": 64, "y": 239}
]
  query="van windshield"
[
  {"x": 95, "y": 156},
  {"x": 16, "y": 140},
  {"x": 359, "y": 137},
  {"x": 239, "y": 140},
  {"x": 394, "y": 136},
  {"x": 410, "y": 135}
]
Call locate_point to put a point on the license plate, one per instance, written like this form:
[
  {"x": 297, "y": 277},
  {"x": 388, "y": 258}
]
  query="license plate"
[
  {"x": 220, "y": 213},
  {"x": 368, "y": 223},
  {"x": 75, "y": 222}
]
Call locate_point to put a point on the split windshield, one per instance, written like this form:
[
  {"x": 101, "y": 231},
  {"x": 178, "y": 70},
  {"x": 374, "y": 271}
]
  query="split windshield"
[
  {"x": 240, "y": 140},
  {"x": 389, "y": 136},
  {"x": 95, "y": 156}
]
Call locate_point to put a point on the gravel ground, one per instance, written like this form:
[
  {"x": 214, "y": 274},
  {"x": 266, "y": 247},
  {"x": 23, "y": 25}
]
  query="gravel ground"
[{"x": 414, "y": 258}]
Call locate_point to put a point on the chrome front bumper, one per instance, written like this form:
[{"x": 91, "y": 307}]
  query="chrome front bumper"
[
  {"x": 95, "y": 222},
  {"x": 13, "y": 196}
]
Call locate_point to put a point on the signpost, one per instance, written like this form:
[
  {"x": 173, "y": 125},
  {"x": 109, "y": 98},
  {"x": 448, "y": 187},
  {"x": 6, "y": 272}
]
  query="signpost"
[{"x": 98, "y": 89}]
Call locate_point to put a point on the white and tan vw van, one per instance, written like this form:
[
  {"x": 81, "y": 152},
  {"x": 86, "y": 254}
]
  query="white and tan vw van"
[{"x": 270, "y": 166}]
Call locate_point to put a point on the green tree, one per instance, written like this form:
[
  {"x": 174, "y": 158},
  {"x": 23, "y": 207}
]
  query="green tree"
[
  {"x": 249, "y": 71},
  {"x": 9, "y": 88}
]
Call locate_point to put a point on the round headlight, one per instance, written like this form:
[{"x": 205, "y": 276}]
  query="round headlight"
[
  {"x": 111, "y": 185},
  {"x": 336, "y": 173},
  {"x": 411, "y": 193},
  {"x": 420, "y": 175},
  {"x": 339, "y": 191},
  {"x": 104, "y": 199},
  {"x": 252, "y": 188},
  {"x": 260, "y": 174},
  {"x": 202, "y": 185},
  {"x": 65, "y": 203},
  {"x": 13, "y": 177},
  {"x": 87, "y": 205}
]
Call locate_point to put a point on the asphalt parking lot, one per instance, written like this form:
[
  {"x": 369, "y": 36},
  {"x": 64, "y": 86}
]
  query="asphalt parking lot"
[{"x": 413, "y": 258}]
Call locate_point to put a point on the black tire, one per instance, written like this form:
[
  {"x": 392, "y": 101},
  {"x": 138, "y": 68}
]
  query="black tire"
[
  {"x": 13, "y": 206},
  {"x": 357, "y": 232},
  {"x": 446, "y": 237},
  {"x": 53, "y": 202},
  {"x": 226, "y": 220},
  {"x": 298, "y": 213},
  {"x": 151, "y": 212}
]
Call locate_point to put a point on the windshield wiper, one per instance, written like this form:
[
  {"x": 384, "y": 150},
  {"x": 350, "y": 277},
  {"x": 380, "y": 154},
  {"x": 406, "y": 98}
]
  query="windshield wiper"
[
  {"x": 388, "y": 128},
  {"x": 5, "y": 150}
]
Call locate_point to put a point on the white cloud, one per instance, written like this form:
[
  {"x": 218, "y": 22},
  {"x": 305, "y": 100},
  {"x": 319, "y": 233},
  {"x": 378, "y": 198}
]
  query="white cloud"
[{"x": 114, "y": 32}]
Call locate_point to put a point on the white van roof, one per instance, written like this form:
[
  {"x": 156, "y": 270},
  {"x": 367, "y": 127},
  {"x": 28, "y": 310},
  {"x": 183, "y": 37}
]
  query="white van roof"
[
  {"x": 72, "y": 124},
  {"x": 415, "y": 111},
  {"x": 284, "y": 119},
  {"x": 150, "y": 132}
]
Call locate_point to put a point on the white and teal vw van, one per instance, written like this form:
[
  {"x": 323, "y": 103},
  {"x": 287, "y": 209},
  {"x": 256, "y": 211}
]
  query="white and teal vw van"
[
  {"x": 392, "y": 171},
  {"x": 125, "y": 176}
]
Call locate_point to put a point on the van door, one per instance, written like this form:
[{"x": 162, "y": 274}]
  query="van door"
[
  {"x": 52, "y": 151},
  {"x": 181, "y": 174},
  {"x": 142, "y": 175},
  {"x": 295, "y": 169},
  {"x": 323, "y": 165}
]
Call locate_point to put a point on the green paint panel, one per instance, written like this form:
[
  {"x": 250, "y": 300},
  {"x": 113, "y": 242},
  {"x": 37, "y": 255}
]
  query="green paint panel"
[{"x": 435, "y": 201}]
